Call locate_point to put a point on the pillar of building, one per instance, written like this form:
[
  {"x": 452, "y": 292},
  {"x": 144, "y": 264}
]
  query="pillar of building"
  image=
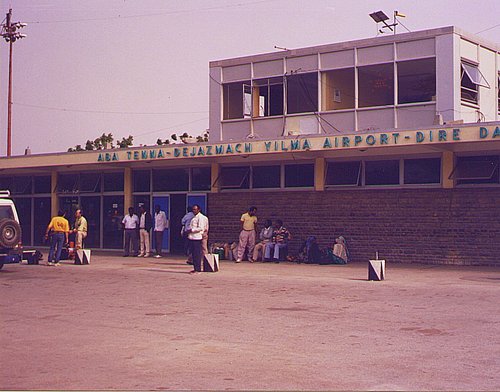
[
  {"x": 319, "y": 174},
  {"x": 447, "y": 164},
  {"x": 127, "y": 189},
  {"x": 54, "y": 200},
  {"x": 214, "y": 187}
]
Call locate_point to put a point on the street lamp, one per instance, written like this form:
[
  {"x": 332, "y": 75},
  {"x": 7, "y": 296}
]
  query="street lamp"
[{"x": 10, "y": 32}]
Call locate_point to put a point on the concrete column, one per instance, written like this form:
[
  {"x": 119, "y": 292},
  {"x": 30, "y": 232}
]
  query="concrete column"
[
  {"x": 447, "y": 164},
  {"x": 54, "y": 200},
  {"x": 214, "y": 177},
  {"x": 319, "y": 174},
  {"x": 127, "y": 189}
]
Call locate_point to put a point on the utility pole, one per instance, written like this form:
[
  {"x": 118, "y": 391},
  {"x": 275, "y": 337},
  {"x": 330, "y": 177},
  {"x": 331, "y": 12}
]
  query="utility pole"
[{"x": 10, "y": 34}]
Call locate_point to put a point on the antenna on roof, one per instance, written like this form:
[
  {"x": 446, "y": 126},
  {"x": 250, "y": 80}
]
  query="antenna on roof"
[{"x": 381, "y": 17}]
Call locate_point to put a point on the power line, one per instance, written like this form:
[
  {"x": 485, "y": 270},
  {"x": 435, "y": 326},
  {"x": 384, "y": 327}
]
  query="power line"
[
  {"x": 489, "y": 28},
  {"x": 156, "y": 13},
  {"x": 101, "y": 111}
]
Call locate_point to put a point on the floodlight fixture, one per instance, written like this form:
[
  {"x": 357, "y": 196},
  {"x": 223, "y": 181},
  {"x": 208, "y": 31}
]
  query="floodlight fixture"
[{"x": 379, "y": 16}]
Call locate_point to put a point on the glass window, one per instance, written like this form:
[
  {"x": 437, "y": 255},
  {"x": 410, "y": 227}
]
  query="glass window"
[
  {"x": 376, "y": 85},
  {"x": 142, "y": 180},
  {"x": 113, "y": 182},
  {"x": 302, "y": 93},
  {"x": 112, "y": 222},
  {"x": 343, "y": 173},
  {"x": 300, "y": 175},
  {"x": 476, "y": 170},
  {"x": 422, "y": 171},
  {"x": 42, "y": 217},
  {"x": 498, "y": 95},
  {"x": 90, "y": 182},
  {"x": 234, "y": 177},
  {"x": 170, "y": 180},
  {"x": 382, "y": 172},
  {"x": 268, "y": 97},
  {"x": 417, "y": 81},
  {"x": 233, "y": 99},
  {"x": 43, "y": 184},
  {"x": 67, "y": 183},
  {"x": 141, "y": 200},
  {"x": 338, "y": 89},
  {"x": 23, "y": 207},
  {"x": 201, "y": 178},
  {"x": 91, "y": 210},
  {"x": 69, "y": 204},
  {"x": 21, "y": 185},
  {"x": 6, "y": 212},
  {"x": 266, "y": 176},
  {"x": 5, "y": 183}
]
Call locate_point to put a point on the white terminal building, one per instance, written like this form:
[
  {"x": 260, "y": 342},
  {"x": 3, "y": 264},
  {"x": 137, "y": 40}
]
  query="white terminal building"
[{"x": 392, "y": 142}]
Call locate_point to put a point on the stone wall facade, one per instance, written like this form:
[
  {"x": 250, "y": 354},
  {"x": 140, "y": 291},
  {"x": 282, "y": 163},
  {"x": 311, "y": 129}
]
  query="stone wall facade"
[{"x": 435, "y": 226}]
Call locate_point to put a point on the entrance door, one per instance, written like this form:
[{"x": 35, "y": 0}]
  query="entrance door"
[
  {"x": 198, "y": 198},
  {"x": 164, "y": 203},
  {"x": 177, "y": 211}
]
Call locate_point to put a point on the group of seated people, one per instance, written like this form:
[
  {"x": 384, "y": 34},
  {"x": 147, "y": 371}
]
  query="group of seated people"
[
  {"x": 273, "y": 246},
  {"x": 273, "y": 242}
]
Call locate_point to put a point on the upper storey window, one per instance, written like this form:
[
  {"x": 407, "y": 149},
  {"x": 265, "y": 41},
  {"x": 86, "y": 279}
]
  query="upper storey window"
[
  {"x": 376, "y": 85},
  {"x": 417, "y": 81},
  {"x": 470, "y": 81},
  {"x": 302, "y": 93}
]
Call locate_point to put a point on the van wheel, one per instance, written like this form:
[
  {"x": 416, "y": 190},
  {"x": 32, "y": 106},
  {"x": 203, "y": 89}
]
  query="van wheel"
[{"x": 10, "y": 233}]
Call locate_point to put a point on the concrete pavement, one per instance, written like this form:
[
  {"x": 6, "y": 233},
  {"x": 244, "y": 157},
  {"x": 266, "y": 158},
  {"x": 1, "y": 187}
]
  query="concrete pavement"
[{"x": 146, "y": 324}]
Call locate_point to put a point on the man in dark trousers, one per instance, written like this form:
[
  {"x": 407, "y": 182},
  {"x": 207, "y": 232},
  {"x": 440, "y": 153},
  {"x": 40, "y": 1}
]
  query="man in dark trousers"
[
  {"x": 199, "y": 225},
  {"x": 131, "y": 225}
]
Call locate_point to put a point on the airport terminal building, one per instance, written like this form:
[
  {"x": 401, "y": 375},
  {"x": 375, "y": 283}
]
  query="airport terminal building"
[{"x": 392, "y": 142}]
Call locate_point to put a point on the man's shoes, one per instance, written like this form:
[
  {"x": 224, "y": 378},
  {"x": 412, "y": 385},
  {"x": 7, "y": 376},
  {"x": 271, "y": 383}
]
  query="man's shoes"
[
  {"x": 194, "y": 272},
  {"x": 251, "y": 260},
  {"x": 141, "y": 255},
  {"x": 57, "y": 264},
  {"x": 157, "y": 256},
  {"x": 238, "y": 261},
  {"x": 145, "y": 255},
  {"x": 189, "y": 262},
  {"x": 50, "y": 264},
  {"x": 125, "y": 255}
]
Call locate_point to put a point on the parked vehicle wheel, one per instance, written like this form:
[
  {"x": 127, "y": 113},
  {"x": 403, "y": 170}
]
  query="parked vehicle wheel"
[{"x": 10, "y": 233}]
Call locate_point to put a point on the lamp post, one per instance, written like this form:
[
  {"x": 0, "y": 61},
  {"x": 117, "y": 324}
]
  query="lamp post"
[{"x": 11, "y": 34}]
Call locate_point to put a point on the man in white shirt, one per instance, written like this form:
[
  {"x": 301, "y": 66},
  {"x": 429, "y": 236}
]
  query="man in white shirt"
[
  {"x": 199, "y": 226},
  {"x": 131, "y": 226},
  {"x": 161, "y": 223}
]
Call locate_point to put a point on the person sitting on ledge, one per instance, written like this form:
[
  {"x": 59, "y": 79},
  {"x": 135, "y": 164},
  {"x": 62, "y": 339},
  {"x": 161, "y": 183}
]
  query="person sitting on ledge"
[
  {"x": 280, "y": 239},
  {"x": 266, "y": 235}
]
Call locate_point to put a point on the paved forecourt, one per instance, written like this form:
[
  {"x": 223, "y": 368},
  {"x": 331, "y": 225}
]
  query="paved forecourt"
[{"x": 135, "y": 323}]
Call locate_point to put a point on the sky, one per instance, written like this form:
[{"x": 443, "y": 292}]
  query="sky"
[{"x": 140, "y": 67}]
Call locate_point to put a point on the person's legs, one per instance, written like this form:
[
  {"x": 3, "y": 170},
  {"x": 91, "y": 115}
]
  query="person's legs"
[
  {"x": 128, "y": 240},
  {"x": 147, "y": 244},
  {"x": 135, "y": 242},
  {"x": 204, "y": 245},
  {"x": 142, "y": 238},
  {"x": 60, "y": 237},
  {"x": 196, "y": 252},
  {"x": 251, "y": 244},
  {"x": 277, "y": 249},
  {"x": 158, "y": 241},
  {"x": 269, "y": 249},
  {"x": 52, "y": 248},
  {"x": 242, "y": 244},
  {"x": 257, "y": 249}
]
